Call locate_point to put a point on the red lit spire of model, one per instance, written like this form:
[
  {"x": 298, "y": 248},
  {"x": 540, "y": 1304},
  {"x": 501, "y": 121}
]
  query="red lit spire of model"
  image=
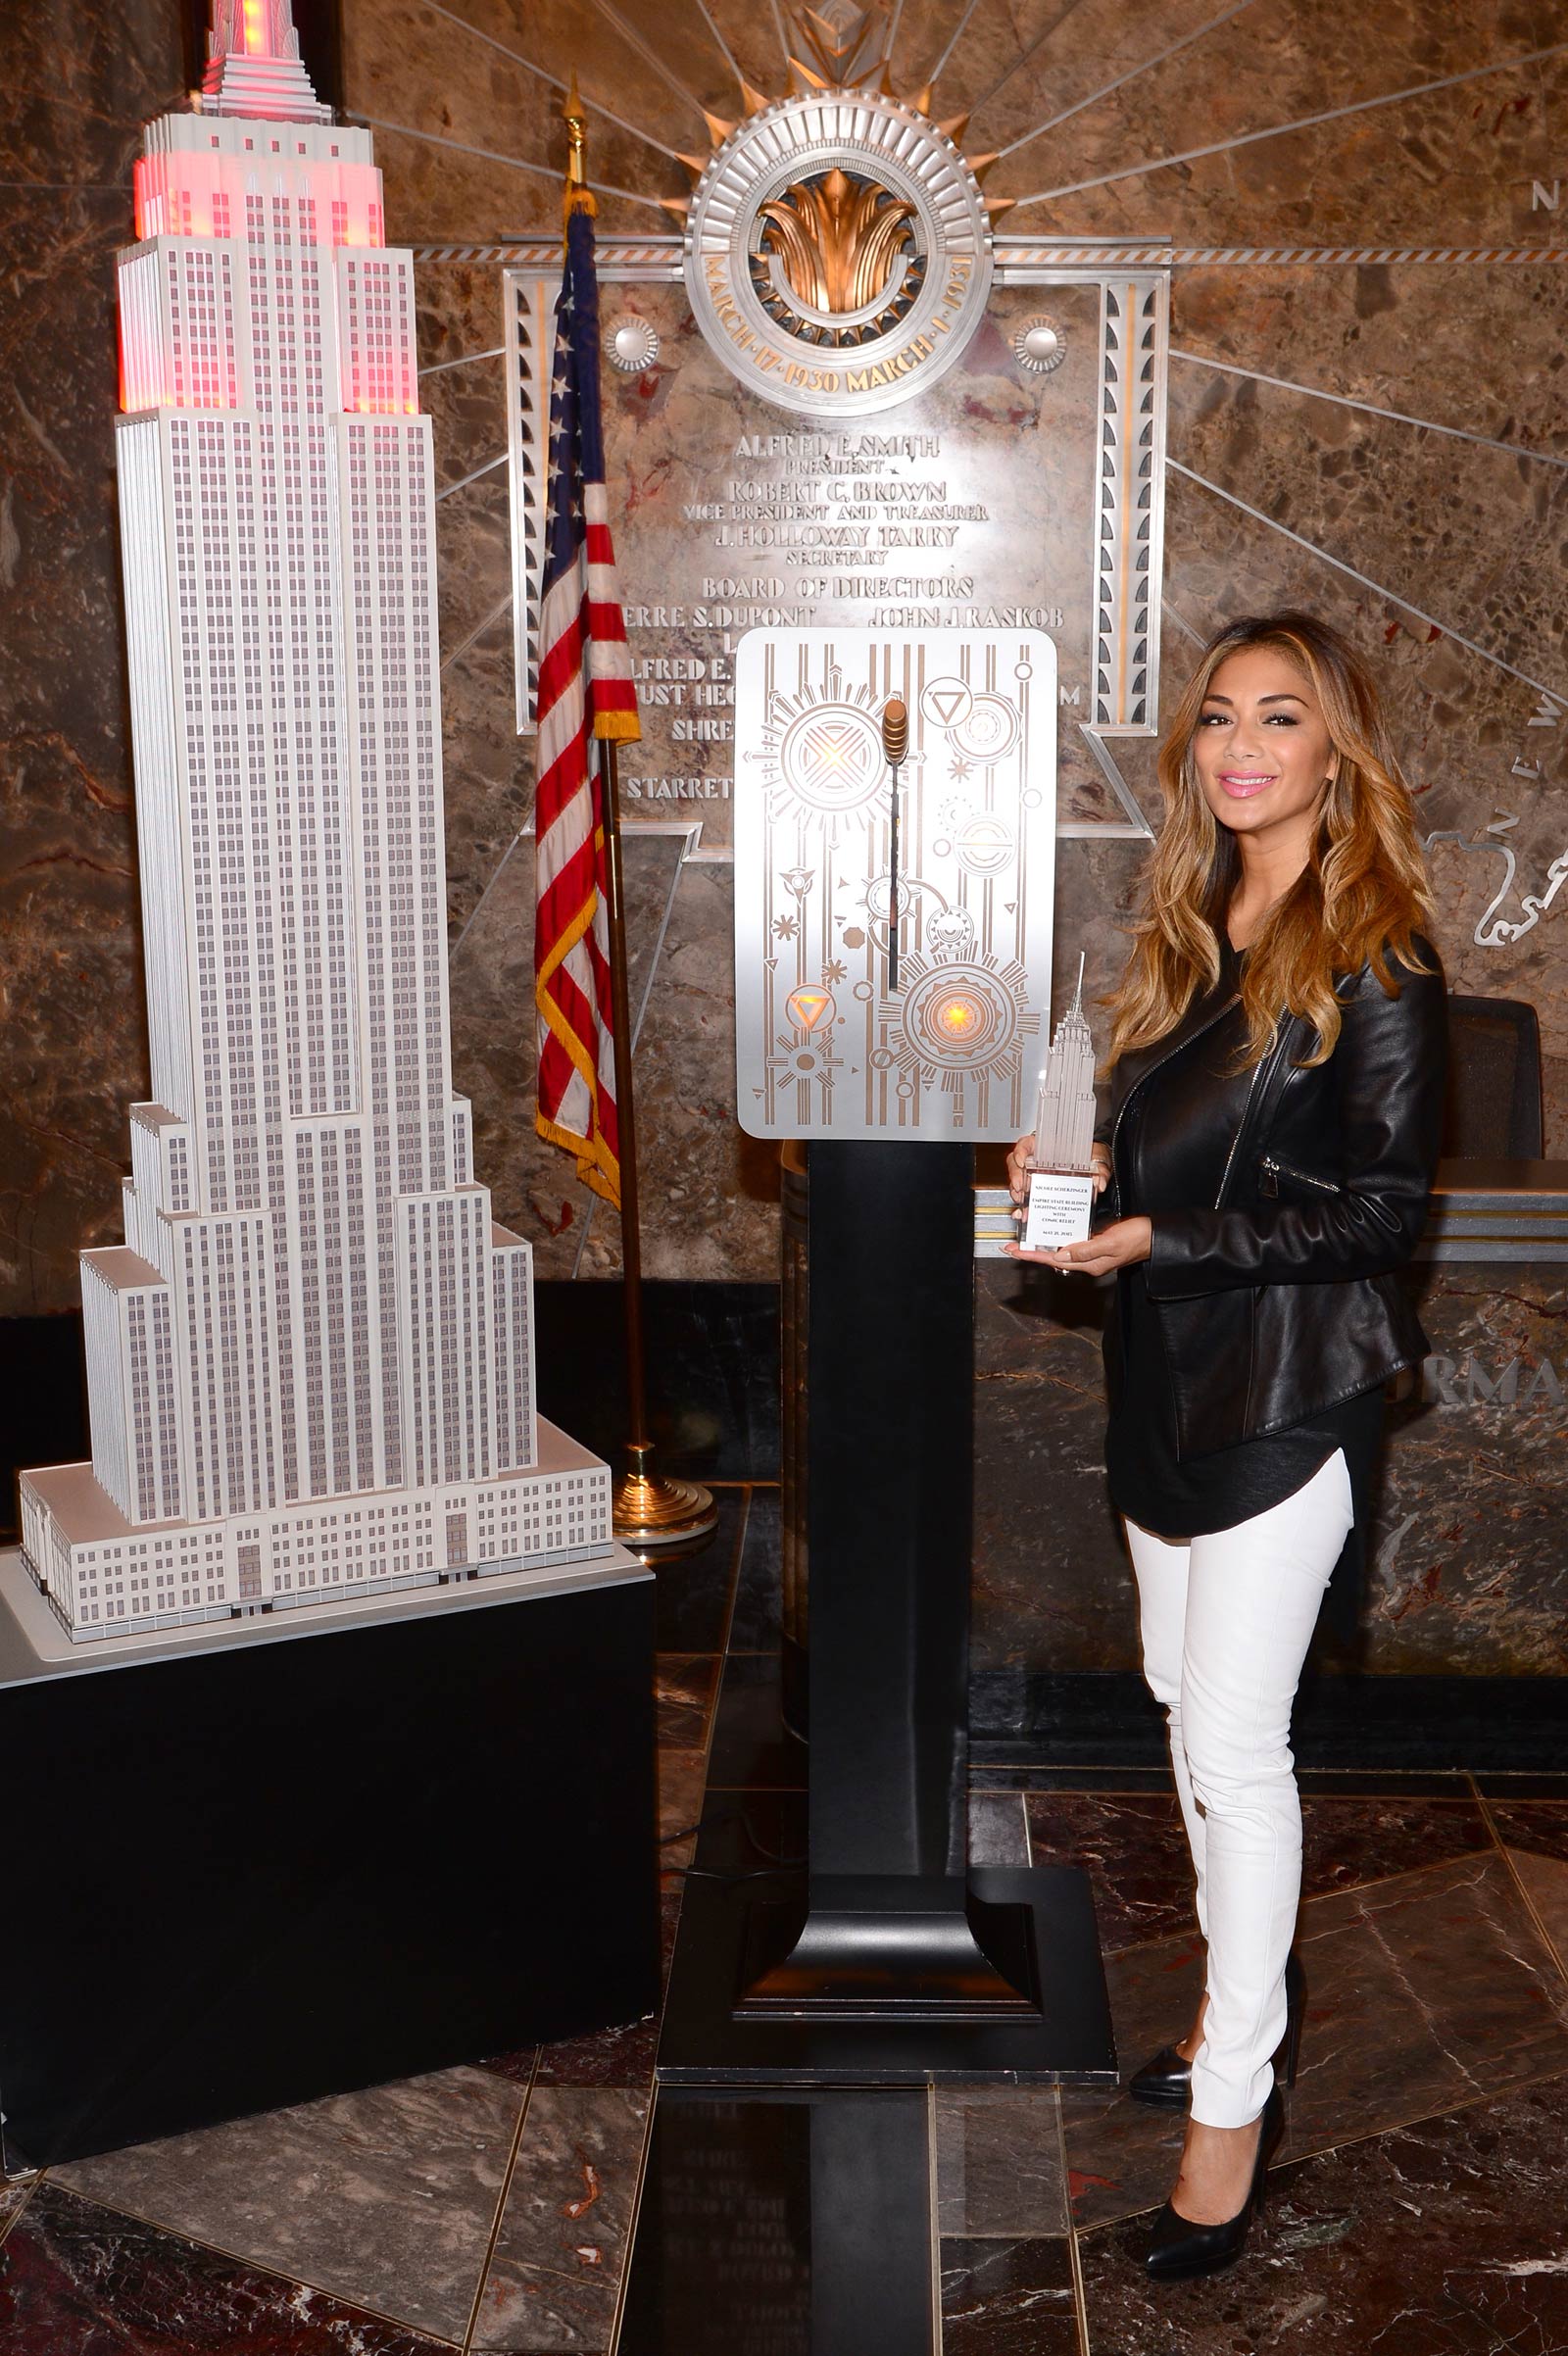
[{"x": 253, "y": 64}]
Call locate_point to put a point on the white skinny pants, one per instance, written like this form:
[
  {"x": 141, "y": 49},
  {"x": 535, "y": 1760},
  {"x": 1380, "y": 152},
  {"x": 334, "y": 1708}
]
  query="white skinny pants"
[{"x": 1226, "y": 1620}]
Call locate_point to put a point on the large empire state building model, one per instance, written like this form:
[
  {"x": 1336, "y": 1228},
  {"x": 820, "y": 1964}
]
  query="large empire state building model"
[{"x": 309, "y": 1364}]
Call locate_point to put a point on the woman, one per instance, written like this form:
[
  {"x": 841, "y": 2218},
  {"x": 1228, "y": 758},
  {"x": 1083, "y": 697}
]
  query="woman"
[{"x": 1278, "y": 1052}]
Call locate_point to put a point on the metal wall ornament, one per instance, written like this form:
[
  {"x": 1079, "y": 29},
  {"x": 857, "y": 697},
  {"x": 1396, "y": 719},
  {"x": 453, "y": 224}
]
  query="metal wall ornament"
[
  {"x": 838, "y": 251},
  {"x": 838, "y": 248},
  {"x": 1041, "y": 345},
  {"x": 631, "y": 344}
]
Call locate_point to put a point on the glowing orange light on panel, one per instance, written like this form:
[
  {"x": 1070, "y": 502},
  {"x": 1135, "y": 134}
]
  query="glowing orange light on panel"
[
  {"x": 808, "y": 1008},
  {"x": 957, "y": 1016},
  {"x": 252, "y": 29}
]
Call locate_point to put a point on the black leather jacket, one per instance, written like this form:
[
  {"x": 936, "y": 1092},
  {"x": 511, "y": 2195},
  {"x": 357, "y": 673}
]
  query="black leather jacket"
[{"x": 1275, "y": 1292}]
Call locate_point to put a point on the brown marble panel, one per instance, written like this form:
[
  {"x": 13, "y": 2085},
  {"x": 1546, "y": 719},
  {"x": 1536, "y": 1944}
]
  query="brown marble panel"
[
  {"x": 709, "y": 1194},
  {"x": 1422, "y": 1990},
  {"x": 1545, "y": 1884},
  {"x": 684, "y": 1686},
  {"x": 554, "y": 2278},
  {"x": 1467, "y": 1567},
  {"x": 457, "y": 313},
  {"x": 999, "y": 2163},
  {"x": 680, "y": 1804},
  {"x": 1135, "y": 1852},
  {"x": 76, "y": 85},
  {"x": 1399, "y": 338},
  {"x": 1022, "y": 67},
  {"x": 409, "y": 66},
  {"x": 78, "y": 81},
  {"x": 1446, "y": 2234},
  {"x": 1539, "y": 1827},
  {"x": 1009, "y": 2298},
  {"x": 752, "y": 38},
  {"x": 1135, "y": 1848},
  {"x": 620, "y": 2056},
  {"x": 86, "y": 2279},
  {"x": 474, "y": 559},
  {"x": 489, "y": 791},
  {"x": 1433, "y": 1985},
  {"x": 385, "y": 2198},
  {"x": 1466, "y": 533},
  {"x": 469, "y": 419},
  {"x": 1463, "y": 156}
]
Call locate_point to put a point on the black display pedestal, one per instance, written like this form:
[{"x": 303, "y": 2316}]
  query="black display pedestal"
[
  {"x": 886, "y": 1961},
  {"x": 293, "y": 1858}
]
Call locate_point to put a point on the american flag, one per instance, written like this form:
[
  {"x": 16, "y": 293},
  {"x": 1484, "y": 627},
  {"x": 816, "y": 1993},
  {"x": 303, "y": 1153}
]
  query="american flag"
[{"x": 585, "y": 697}]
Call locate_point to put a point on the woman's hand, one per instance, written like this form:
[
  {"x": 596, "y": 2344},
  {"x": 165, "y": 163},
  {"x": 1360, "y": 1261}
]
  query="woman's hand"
[
  {"x": 1119, "y": 1246},
  {"x": 1018, "y": 1168}
]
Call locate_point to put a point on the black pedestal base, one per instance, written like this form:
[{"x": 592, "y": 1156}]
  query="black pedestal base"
[
  {"x": 889, "y": 1947},
  {"x": 292, "y": 1858},
  {"x": 708, "y": 2039}
]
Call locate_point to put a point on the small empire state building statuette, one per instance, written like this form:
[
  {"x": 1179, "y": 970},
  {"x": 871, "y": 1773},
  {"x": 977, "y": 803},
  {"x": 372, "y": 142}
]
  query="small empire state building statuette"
[{"x": 1061, "y": 1189}]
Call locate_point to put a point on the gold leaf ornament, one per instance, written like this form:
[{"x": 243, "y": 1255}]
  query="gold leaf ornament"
[{"x": 837, "y": 239}]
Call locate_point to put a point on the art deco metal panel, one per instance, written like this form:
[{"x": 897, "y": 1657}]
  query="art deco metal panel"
[{"x": 827, "y": 1045}]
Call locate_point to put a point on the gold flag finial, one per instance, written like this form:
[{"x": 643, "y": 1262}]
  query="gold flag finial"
[{"x": 576, "y": 197}]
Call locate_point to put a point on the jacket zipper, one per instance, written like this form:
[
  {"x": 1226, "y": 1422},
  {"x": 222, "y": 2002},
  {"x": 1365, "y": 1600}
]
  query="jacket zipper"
[
  {"x": 1274, "y": 1170},
  {"x": 1241, "y": 1127}
]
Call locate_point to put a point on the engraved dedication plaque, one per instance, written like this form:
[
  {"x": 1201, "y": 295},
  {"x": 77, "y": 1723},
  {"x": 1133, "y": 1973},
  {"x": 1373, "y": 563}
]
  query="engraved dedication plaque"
[{"x": 825, "y": 1045}]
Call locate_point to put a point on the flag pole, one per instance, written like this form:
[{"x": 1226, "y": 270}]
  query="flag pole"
[{"x": 649, "y": 1509}]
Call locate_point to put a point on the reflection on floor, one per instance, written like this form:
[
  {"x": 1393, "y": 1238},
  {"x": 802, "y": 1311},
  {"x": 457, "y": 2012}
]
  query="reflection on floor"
[{"x": 541, "y": 2200}]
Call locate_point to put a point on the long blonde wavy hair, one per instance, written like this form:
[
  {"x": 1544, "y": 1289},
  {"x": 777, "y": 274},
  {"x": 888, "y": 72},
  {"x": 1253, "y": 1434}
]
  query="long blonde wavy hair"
[{"x": 1362, "y": 894}]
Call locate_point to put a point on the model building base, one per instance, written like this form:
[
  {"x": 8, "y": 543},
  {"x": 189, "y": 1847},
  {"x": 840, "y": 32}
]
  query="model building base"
[
  {"x": 296, "y": 1856},
  {"x": 109, "y": 1581}
]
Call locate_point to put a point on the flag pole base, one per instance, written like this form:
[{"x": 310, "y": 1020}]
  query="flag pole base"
[{"x": 649, "y": 1510}]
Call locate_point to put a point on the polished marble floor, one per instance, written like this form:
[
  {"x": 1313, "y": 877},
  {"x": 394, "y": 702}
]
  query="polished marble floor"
[{"x": 541, "y": 2200}]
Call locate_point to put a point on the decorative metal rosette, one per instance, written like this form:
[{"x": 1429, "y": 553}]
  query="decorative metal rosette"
[
  {"x": 631, "y": 344},
  {"x": 1040, "y": 345}
]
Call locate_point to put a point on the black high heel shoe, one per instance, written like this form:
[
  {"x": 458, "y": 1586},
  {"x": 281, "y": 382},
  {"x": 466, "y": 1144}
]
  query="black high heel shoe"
[
  {"x": 1166, "y": 2080},
  {"x": 1179, "y": 2248}
]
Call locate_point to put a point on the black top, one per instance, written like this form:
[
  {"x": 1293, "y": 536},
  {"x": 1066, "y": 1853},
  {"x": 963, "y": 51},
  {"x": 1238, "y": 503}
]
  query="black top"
[{"x": 1180, "y": 1498}]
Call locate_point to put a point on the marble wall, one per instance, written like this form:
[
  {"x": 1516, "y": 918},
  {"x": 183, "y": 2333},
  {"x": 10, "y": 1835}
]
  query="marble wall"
[{"x": 1354, "y": 425}]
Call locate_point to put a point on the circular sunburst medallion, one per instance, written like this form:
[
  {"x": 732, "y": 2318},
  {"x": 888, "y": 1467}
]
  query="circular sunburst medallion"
[
  {"x": 960, "y": 1018},
  {"x": 631, "y": 345},
  {"x": 1040, "y": 345},
  {"x": 831, "y": 757},
  {"x": 838, "y": 254}
]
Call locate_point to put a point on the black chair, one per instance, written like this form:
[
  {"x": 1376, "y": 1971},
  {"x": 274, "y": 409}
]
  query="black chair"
[{"x": 1495, "y": 1092}]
